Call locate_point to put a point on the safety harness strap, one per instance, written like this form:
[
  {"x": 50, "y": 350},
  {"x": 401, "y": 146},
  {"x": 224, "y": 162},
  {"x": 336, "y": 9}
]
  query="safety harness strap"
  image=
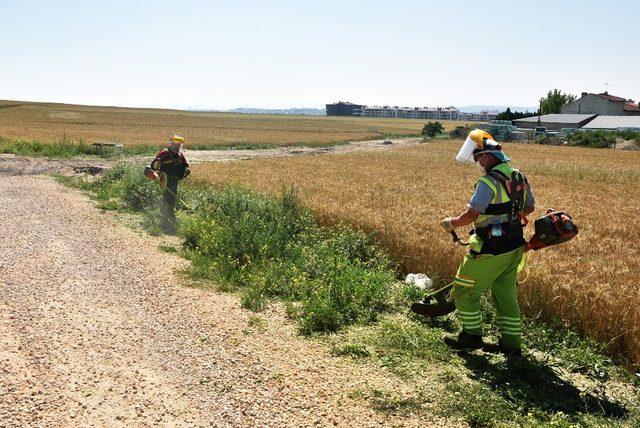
[
  {"x": 497, "y": 209},
  {"x": 506, "y": 207}
]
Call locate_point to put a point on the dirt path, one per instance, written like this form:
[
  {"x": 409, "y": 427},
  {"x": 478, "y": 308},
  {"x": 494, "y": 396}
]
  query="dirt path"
[
  {"x": 356, "y": 146},
  {"x": 21, "y": 165},
  {"x": 96, "y": 329}
]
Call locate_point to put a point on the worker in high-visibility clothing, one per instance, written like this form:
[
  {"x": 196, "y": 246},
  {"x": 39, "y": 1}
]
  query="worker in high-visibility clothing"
[
  {"x": 172, "y": 167},
  {"x": 500, "y": 203}
]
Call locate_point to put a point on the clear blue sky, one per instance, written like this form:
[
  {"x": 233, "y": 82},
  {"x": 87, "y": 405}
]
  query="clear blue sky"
[{"x": 294, "y": 53}]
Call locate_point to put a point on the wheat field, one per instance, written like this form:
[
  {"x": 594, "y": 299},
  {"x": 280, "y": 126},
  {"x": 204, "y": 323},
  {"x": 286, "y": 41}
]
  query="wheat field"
[
  {"x": 51, "y": 122},
  {"x": 590, "y": 283}
]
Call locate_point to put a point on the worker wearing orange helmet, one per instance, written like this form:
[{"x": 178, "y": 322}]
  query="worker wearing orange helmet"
[
  {"x": 172, "y": 167},
  {"x": 500, "y": 203}
]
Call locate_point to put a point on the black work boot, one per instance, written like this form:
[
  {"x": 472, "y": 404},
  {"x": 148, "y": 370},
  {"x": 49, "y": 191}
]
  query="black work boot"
[
  {"x": 464, "y": 341},
  {"x": 509, "y": 352},
  {"x": 500, "y": 348}
]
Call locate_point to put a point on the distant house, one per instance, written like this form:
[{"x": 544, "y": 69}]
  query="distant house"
[
  {"x": 614, "y": 123},
  {"x": 555, "y": 122},
  {"x": 602, "y": 104}
]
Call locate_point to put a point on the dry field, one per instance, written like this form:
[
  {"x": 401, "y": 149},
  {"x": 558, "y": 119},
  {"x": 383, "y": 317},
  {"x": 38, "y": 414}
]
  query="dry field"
[
  {"x": 591, "y": 283},
  {"x": 50, "y": 122}
]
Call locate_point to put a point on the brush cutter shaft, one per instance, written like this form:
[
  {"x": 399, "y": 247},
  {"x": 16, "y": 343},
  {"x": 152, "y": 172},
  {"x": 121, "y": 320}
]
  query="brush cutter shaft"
[{"x": 457, "y": 239}]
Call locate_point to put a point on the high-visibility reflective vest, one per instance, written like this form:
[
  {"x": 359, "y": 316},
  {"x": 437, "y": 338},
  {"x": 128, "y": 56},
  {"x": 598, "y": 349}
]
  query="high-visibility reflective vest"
[
  {"x": 500, "y": 196},
  {"x": 498, "y": 212}
]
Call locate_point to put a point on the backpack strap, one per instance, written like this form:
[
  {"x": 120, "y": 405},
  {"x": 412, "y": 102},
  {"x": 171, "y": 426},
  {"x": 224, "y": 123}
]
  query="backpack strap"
[{"x": 516, "y": 187}]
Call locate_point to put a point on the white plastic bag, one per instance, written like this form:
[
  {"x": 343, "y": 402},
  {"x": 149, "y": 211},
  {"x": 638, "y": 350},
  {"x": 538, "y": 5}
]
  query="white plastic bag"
[{"x": 419, "y": 280}]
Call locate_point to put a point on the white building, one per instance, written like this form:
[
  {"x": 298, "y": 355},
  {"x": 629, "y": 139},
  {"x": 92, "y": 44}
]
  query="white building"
[{"x": 432, "y": 113}]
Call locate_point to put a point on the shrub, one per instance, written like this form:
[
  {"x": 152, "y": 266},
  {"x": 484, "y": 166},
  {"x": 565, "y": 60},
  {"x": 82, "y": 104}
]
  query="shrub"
[
  {"x": 62, "y": 148},
  {"x": 547, "y": 140},
  {"x": 629, "y": 135},
  {"x": 595, "y": 139},
  {"x": 431, "y": 129},
  {"x": 459, "y": 132}
]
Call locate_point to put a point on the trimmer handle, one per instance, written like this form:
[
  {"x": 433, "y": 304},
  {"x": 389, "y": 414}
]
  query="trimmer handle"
[{"x": 456, "y": 238}]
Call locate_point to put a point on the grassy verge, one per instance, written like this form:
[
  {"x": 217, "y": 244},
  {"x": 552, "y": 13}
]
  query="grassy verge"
[
  {"x": 336, "y": 280},
  {"x": 265, "y": 248},
  {"x": 65, "y": 148}
]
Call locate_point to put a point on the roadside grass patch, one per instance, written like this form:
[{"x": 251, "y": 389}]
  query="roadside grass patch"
[
  {"x": 350, "y": 350},
  {"x": 255, "y": 324},
  {"x": 123, "y": 188},
  {"x": 63, "y": 148},
  {"x": 273, "y": 248},
  {"x": 391, "y": 403},
  {"x": 550, "y": 386},
  {"x": 170, "y": 249}
]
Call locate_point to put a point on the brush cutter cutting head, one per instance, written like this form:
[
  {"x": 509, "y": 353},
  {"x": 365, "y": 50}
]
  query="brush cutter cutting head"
[{"x": 435, "y": 305}]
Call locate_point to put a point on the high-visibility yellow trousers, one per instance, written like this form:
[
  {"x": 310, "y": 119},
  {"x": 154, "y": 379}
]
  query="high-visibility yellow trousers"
[{"x": 498, "y": 273}]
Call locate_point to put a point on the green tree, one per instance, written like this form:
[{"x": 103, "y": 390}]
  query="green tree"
[
  {"x": 554, "y": 101},
  {"x": 513, "y": 115},
  {"x": 431, "y": 129}
]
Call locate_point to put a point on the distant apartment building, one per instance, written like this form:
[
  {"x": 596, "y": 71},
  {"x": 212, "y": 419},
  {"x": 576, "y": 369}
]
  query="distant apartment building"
[{"x": 429, "y": 113}]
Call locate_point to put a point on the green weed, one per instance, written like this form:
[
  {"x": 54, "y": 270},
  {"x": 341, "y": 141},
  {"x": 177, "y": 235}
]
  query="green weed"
[
  {"x": 351, "y": 350},
  {"x": 168, "y": 249},
  {"x": 273, "y": 248}
]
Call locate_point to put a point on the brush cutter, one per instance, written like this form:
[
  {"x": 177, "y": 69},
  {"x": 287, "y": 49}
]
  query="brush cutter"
[
  {"x": 554, "y": 228},
  {"x": 161, "y": 179}
]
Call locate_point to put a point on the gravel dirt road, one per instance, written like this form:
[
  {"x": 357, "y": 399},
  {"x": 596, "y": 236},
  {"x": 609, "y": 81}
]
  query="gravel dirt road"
[{"x": 96, "y": 329}]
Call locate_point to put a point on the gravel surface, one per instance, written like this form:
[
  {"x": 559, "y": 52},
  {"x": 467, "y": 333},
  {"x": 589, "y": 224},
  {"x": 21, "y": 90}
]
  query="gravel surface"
[{"x": 96, "y": 329}]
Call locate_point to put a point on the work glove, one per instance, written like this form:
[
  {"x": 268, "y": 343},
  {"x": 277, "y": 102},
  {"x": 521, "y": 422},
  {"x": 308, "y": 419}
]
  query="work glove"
[{"x": 447, "y": 224}]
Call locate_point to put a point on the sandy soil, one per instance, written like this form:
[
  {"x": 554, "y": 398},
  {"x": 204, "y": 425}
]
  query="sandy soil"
[{"x": 96, "y": 329}]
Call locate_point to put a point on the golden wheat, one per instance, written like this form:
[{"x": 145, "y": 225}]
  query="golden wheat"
[
  {"x": 591, "y": 283},
  {"x": 51, "y": 122}
]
